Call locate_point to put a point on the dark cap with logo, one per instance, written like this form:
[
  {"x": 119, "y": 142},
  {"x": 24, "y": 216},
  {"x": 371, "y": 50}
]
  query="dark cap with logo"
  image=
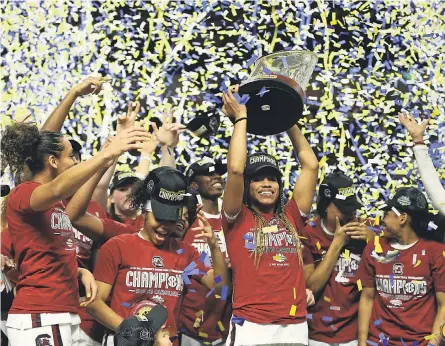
[
  {"x": 408, "y": 199},
  {"x": 141, "y": 330},
  {"x": 261, "y": 161},
  {"x": 205, "y": 166},
  {"x": 167, "y": 189},
  {"x": 123, "y": 179},
  {"x": 339, "y": 189}
]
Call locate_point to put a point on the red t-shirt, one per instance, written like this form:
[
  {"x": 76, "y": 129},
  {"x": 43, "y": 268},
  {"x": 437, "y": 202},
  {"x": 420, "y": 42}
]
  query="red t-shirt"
[
  {"x": 138, "y": 271},
  {"x": 214, "y": 309},
  {"x": 83, "y": 243},
  {"x": 45, "y": 253},
  {"x": 265, "y": 293},
  {"x": 404, "y": 303},
  {"x": 114, "y": 228},
  {"x": 7, "y": 247},
  {"x": 334, "y": 315},
  {"x": 83, "y": 248}
]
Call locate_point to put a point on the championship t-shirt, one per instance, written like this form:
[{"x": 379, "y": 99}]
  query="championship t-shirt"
[
  {"x": 210, "y": 310},
  {"x": 141, "y": 272},
  {"x": 333, "y": 318},
  {"x": 274, "y": 290},
  {"x": 45, "y": 253},
  {"x": 406, "y": 280},
  {"x": 137, "y": 222}
]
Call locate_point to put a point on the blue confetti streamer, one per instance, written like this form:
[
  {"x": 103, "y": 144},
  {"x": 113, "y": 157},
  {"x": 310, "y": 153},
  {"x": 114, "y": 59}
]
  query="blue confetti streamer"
[{"x": 224, "y": 292}]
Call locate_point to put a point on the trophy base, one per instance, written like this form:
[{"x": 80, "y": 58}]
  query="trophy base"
[{"x": 278, "y": 109}]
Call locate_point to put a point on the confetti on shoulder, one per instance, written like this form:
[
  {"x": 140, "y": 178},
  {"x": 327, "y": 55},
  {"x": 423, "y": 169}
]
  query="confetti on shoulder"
[{"x": 180, "y": 251}]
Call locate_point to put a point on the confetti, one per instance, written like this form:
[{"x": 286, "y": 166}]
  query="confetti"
[
  {"x": 295, "y": 293},
  {"x": 180, "y": 251},
  {"x": 154, "y": 61},
  {"x": 224, "y": 291},
  {"x": 309, "y": 316},
  {"x": 263, "y": 91},
  {"x": 203, "y": 335},
  {"x": 318, "y": 245},
  {"x": 217, "y": 279},
  {"x": 293, "y": 310},
  {"x": 377, "y": 246},
  {"x": 359, "y": 285},
  {"x": 220, "y": 326},
  {"x": 336, "y": 308},
  {"x": 377, "y": 322},
  {"x": 327, "y": 299},
  {"x": 326, "y": 319},
  {"x": 126, "y": 304},
  {"x": 238, "y": 320}
]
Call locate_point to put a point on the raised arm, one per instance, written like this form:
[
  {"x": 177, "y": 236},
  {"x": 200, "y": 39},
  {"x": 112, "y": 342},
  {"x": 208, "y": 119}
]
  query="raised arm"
[
  {"x": 57, "y": 118},
  {"x": 318, "y": 279},
  {"x": 219, "y": 264},
  {"x": 236, "y": 159},
  {"x": 67, "y": 183},
  {"x": 428, "y": 174},
  {"x": 304, "y": 188},
  {"x": 146, "y": 157}
]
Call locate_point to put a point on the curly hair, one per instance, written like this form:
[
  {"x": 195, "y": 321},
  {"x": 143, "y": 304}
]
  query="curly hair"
[
  {"x": 139, "y": 195},
  {"x": 23, "y": 143}
]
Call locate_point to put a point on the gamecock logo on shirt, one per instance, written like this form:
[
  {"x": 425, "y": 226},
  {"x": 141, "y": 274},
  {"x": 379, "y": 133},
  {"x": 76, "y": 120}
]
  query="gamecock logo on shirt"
[
  {"x": 44, "y": 340},
  {"x": 157, "y": 261},
  {"x": 397, "y": 269}
]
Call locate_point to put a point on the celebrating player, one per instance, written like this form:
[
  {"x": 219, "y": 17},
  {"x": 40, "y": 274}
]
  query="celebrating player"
[
  {"x": 205, "y": 179},
  {"x": 403, "y": 277},
  {"x": 262, "y": 238},
  {"x": 152, "y": 265},
  {"x": 334, "y": 244},
  {"x": 47, "y": 299}
]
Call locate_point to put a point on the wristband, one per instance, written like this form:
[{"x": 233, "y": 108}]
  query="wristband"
[
  {"x": 419, "y": 142},
  {"x": 240, "y": 119}
]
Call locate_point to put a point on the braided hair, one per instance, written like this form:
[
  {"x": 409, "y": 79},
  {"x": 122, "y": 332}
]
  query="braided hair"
[{"x": 260, "y": 237}]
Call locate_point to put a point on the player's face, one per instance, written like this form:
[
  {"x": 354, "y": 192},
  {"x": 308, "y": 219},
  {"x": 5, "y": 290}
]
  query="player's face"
[
  {"x": 182, "y": 225},
  {"x": 159, "y": 231},
  {"x": 120, "y": 198},
  {"x": 66, "y": 159},
  {"x": 210, "y": 186},
  {"x": 264, "y": 189},
  {"x": 392, "y": 224},
  {"x": 332, "y": 212},
  {"x": 163, "y": 338}
]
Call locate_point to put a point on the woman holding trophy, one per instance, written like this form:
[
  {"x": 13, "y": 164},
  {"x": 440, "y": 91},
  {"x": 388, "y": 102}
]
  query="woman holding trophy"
[{"x": 261, "y": 230}]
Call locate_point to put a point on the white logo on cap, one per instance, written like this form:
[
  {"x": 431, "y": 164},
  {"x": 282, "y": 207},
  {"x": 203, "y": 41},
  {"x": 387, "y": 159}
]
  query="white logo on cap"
[
  {"x": 150, "y": 185},
  {"x": 171, "y": 195},
  {"x": 404, "y": 200},
  {"x": 262, "y": 158}
]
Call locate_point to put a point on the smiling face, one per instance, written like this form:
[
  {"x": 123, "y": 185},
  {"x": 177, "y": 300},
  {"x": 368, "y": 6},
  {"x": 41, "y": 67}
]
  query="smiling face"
[
  {"x": 182, "y": 225},
  {"x": 264, "y": 190},
  {"x": 158, "y": 231},
  {"x": 120, "y": 198},
  {"x": 209, "y": 186}
]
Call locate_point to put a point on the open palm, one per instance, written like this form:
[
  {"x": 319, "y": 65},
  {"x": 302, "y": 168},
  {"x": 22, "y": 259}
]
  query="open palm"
[{"x": 415, "y": 129}]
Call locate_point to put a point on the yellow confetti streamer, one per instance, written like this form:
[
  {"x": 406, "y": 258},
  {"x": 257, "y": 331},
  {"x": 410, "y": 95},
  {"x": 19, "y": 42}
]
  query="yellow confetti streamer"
[
  {"x": 221, "y": 327},
  {"x": 347, "y": 254},
  {"x": 359, "y": 285},
  {"x": 295, "y": 293},
  {"x": 318, "y": 245},
  {"x": 327, "y": 299},
  {"x": 203, "y": 335},
  {"x": 377, "y": 246},
  {"x": 293, "y": 310},
  {"x": 417, "y": 263}
]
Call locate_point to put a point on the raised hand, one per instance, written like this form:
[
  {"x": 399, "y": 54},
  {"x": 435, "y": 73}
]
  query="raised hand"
[
  {"x": 357, "y": 230},
  {"x": 168, "y": 134},
  {"x": 206, "y": 230},
  {"x": 90, "y": 85},
  {"x": 150, "y": 145},
  {"x": 340, "y": 236},
  {"x": 415, "y": 129},
  {"x": 310, "y": 299},
  {"x": 133, "y": 138},
  {"x": 128, "y": 120},
  {"x": 231, "y": 107}
]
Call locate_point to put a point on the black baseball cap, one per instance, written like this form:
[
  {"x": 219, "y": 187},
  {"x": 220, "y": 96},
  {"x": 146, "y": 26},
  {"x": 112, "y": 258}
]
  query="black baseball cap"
[
  {"x": 340, "y": 190},
  {"x": 123, "y": 179},
  {"x": 409, "y": 200},
  {"x": 141, "y": 330},
  {"x": 167, "y": 190},
  {"x": 259, "y": 161},
  {"x": 205, "y": 166}
]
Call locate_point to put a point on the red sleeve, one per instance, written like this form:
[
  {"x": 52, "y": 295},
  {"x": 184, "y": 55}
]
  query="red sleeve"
[
  {"x": 7, "y": 248},
  {"x": 226, "y": 225},
  {"x": 20, "y": 197},
  {"x": 114, "y": 228},
  {"x": 438, "y": 268},
  {"x": 366, "y": 269},
  {"x": 108, "y": 262},
  {"x": 293, "y": 212},
  {"x": 97, "y": 210}
]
